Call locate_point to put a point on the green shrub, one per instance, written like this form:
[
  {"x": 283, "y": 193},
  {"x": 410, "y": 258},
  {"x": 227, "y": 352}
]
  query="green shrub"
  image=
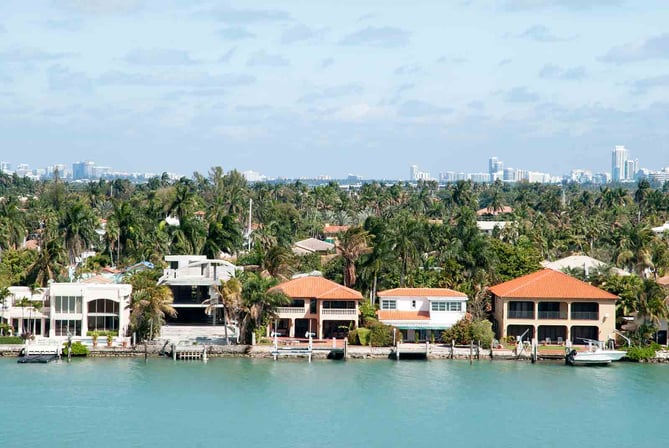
[
  {"x": 482, "y": 331},
  {"x": 640, "y": 353},
  {"x": 465, "y": 331},
  {"x": 380, "y": 335},
  {"x": 102, "y": 333},
  {"x": 11, "y": 340},
  {"x": 359, "y": 336},
  {"x": 78, "y": 349}
]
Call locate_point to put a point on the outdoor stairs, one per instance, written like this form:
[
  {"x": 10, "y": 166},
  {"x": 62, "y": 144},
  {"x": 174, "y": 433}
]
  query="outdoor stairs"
[{"x": 205, "y": 334}]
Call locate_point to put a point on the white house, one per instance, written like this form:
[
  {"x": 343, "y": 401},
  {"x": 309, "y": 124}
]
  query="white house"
[
  {"x": 78, "y": 308},
  {"x": 62, "y": 308},
  {"x": 421, "y": 313}
]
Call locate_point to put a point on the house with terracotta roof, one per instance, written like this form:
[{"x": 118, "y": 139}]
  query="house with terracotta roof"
[
  {"x": 330, "y": 232},
  {"x": 421, "y": 313},
  {"x": 319, "y": 306},
  {"x": 553, "y": 307}
]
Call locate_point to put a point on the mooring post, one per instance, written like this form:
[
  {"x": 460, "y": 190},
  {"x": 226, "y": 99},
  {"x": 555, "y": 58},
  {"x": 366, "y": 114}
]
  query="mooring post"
[
  {"x": 427, "y": 348},
  {"x": 345, "y": 348},
  {"x": 452, "y": 348},
  {"x": 174, "y": 352},
  {"x": 478, "y": 350},
  {"x": 204, "y": 354}
]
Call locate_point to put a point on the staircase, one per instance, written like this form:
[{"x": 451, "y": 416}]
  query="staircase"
[{"x": 208, "y": 334}]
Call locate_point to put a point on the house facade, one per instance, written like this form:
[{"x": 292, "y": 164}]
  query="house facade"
[
  {"x": 192, "y": 279},
  {"x": 553, "y": 307},
  {"x": 68, "y": 309},
  {"x": 319, "y": 306},
  {"x": 421, "y": 313}
]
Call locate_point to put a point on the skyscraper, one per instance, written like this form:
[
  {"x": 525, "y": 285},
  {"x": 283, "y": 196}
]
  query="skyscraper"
[
  {"x": 619, "y": 157},
  {"x": 413, "y": 172}
]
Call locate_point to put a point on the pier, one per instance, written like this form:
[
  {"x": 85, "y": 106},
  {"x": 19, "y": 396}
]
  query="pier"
[
  {"x": 189, "y": 352},
  {"x": 40, "y": 353}
]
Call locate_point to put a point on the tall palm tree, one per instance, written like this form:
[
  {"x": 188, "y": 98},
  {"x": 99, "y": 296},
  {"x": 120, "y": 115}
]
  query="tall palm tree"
[
  {"x": 230, "y": 293},
  {"x": 149, "y": 307},
  {"x": 351, "y": 245},
  {"x": 77, "y": 227},
  {"x": 258, "y": 303}
]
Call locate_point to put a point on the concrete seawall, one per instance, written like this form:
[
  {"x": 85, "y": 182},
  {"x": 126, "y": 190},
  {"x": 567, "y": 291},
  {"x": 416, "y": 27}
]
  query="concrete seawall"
[{"x": 265, "y": 351}]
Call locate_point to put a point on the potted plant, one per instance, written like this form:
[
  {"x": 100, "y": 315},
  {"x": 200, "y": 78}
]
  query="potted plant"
[
  {"x": 110, "y": 339},
  {"x": 95, "y": 336}
]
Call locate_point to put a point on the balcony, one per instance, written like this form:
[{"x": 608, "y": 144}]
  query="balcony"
[
  {"x": 348, "y": 312},
  {"x": 513, "y": 314},
  {"x": 585, "y": 315},
  {"x": 291, "y": 310},
  {"x": 552, "y": 315}
]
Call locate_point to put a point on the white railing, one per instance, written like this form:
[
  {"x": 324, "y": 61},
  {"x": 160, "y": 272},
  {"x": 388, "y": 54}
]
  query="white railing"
[
  {"x": 338, "y": 312},
  {"x": 291, "y": 310}
]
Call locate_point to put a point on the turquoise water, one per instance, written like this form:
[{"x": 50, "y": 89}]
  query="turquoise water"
[{"x": 261, "y": 403}]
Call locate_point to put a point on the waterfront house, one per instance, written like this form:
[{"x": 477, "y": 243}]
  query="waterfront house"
[
  {"x": 421, "y": 313},
  {"x": 192, "y": 280},
  {"x": 319, "y": 305},
  {"x": 68, "y": 309},
  {"x": 554, "y": 308}
]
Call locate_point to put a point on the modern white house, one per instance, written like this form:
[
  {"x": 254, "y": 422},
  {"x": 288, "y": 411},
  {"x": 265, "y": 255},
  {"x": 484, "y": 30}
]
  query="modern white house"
[
  {"x": 192, "y": 280},
  {"x": 68, "y": 309},
  {"x": 421, "y": 313}
]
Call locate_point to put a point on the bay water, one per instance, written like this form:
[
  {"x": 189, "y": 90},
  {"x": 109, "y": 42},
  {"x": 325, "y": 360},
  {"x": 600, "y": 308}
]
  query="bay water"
[{"x": 357, "y": 403}]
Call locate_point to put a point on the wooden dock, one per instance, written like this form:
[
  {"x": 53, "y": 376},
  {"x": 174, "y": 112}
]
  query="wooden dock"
[
  {"x": 40, "y": 353},
  {"x": 410, "y": 351}
]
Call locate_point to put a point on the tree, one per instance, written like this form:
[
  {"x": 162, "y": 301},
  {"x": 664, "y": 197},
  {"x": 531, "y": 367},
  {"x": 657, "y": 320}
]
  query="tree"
[
  {"x": 77, "y": 228},
  {"x": 150, "y": 304},
  {"x": 259, "y": 304},
  {"x": 229, "y": 293},
  {"x": 351, "y": 245}
]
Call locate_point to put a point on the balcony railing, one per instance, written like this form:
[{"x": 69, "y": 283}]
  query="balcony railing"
[
  {"x": 339, "y": 312},
  {"x": 297, "y": 310},
  {"x": 552, "y": 315},
  {"x": 585, "y": 315},
  {"x": 513, "y": 314}
]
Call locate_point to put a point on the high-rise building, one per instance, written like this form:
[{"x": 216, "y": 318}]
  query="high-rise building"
[
  {"x": 5, "y": 166},
  {"x": 83, "y": 170},
  {"x": 495, "y": 166},
  {"x": 619, "y": 157},
  {"x": 413, "y": 172}
]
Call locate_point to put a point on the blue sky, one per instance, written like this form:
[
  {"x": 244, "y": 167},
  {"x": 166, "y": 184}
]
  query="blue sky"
[{"x": 302, "y": 88}]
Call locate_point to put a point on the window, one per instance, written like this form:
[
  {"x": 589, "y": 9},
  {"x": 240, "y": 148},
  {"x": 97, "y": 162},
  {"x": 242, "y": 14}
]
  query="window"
[
  {"x": 388, "y": 304},
  {"x": 68, "y": 304},
  {"x": 446, "y": 306},
  {"x": 62, "y": 327},
  {"x": 338, "y": 304}
]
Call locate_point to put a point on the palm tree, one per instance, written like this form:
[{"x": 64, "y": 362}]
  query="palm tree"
[
  {"x": 351, "y": 245},
  {"x": 408, "y": 239},
  {"x": 77, "y": 227},
  {"x": 258, "y": 303},
  {"x": 229, "y": 293},
  {"x": 149, "y": 307}
]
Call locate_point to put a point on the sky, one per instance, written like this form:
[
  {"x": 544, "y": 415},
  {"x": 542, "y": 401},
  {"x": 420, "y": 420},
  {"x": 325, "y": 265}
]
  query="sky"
[{"x": 307, "y": 88}]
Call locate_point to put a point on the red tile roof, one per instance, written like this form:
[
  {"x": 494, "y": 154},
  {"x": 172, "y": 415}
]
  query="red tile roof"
[
  {"x": 402, "y": 315},
  {"x": 549, "y": 284},
  {"x": 663, "y": 281},
  {"x": 335, "y": 229},
  {"x": 421, "y": 292},
  {"x": 505, "y": 210},
  {"x": 318, "y": 288}
]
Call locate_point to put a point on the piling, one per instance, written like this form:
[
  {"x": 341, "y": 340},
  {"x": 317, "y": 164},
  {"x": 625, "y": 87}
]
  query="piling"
[{"x": 471, "y": 352}]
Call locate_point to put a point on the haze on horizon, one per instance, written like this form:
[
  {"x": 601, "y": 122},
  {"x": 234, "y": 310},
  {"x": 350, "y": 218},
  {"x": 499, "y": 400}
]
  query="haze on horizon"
[{"x": 334, "y": 87}]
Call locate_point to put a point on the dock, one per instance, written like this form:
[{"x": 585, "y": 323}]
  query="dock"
[
  {"x": 40, "y": 353},
  {"x": 410, "y": 351},
  {"x": 189, "y": 352}
]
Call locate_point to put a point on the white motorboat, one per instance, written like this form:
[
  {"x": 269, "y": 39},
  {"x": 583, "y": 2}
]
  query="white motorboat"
[{"x": 596, "y": 354}]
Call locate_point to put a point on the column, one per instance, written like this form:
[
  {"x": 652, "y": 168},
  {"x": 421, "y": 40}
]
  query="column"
[{"x": 291, "y": 327}]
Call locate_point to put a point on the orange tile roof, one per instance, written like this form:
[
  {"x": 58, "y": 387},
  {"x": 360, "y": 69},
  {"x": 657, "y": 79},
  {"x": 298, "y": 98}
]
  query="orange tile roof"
[
  {"x": 484, "y": 211},
  {"x": 402, "y": 315},
  {"x": 549, "y": 284},
  {"x": 335, "y": 229},
  {"x": 663, "y": 281},
  {"x": 421, "y": 292},
  {"x": 317, "y": 288}
]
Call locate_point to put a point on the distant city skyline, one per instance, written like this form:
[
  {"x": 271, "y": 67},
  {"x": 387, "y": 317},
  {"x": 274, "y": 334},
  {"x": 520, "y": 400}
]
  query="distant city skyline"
[
  {"x": 305, "y": 88},
  {"x": 623, "y": 169}
]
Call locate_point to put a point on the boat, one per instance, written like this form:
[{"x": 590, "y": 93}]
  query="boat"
[{"x": 596, "y": 354}]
